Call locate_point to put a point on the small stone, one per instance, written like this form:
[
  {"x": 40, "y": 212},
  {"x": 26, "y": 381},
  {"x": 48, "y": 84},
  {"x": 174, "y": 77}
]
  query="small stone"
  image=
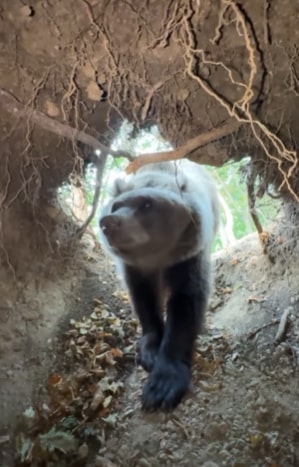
[
  {"x": 4, "y": 439},
  {"x": 178, "y": 455},
  {"x": 17, "y": 366},
  {"x": 103, "y": 462},
  {"x": 210, "y": 464},
  {"x": 51, "y": 109},
  {"x": 216, "y": 431},
  {"x": 205, "y": 71},
  {"x": 151, "y": 446},
  {"x": 182, "y": 94},
  {"x": 170, "y": 425},
  {"x": 88, "y": 70},
  {"x": 83, "y": 451},
  {"x": 27, "y": 10},
  {"x": 94, "y": 92},
  {"x": 143, "y": 463},
  {"x": 224, "y": 454}
]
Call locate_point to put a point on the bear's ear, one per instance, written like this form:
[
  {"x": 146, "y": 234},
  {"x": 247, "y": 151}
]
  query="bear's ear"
[{"x": 119, "y": 187}]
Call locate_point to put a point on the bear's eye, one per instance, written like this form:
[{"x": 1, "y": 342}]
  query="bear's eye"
[
  {"x": 115, "y": 207},
  {"x": 146, "y": 205}
]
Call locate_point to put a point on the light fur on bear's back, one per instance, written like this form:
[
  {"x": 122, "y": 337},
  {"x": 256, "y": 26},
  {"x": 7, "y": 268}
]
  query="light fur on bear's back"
[{"x": 169, "y": 175}]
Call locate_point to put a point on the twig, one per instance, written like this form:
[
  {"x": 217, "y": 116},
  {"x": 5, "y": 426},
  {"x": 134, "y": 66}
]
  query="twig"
[
  {"x": 265, "y": 238},
  {"x": 283, "y": 325},
  {"x": 149, "y": 98},
  {"x": 99, "y": 163},
  {"x": 256, "y": 331},
  {"x": 251, "y": 203},
  {"x": 183, "y": 151},
  {"x": 182, "y": 427},
  {"x": 13, "y": 106}
]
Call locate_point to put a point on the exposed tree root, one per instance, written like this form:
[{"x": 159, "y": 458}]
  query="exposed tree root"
[
  {"x": 99, "y": 163},
  {"x": 265, "y": 237},
  {"x": 180, "y": 25},
  {"x": 13, "y": 106},
  {"x": 241, "y": 108},
  {"x": 283, "y": 325},
  {"x": 251, "y": 203},
  {"x": 183, "y": 151},
  {"x": 253, "y": 333}
]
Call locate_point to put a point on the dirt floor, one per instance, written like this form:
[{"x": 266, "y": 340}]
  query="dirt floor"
[{"x": 70, "y": 388}]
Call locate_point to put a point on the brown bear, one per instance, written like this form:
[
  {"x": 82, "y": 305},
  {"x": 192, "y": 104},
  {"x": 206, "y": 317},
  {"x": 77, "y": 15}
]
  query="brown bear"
[{"x": 159, "y": 227}]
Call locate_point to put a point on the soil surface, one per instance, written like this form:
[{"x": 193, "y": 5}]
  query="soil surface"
[
  {"x": 243, "y": 407},
  {"x": 187, "y": 66}
]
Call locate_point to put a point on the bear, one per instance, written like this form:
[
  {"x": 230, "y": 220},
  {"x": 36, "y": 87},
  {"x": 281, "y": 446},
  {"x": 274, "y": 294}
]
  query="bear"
[{"x": 159, "y": 226}]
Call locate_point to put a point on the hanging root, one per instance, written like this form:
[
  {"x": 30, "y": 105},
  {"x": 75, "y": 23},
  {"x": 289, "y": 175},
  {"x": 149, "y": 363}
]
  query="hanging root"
[
  {"x": 99, "y": 163},
  {"x": 13, "y": 106},
  {"x": 179, "y": 25},
  {"x": 251, "y": 204},
  {"x": 265, "y": 237},
  {"x": 240, "y": 109}
]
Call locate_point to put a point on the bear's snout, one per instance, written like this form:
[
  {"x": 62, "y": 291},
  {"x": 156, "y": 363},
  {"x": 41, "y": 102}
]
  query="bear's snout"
[{"x": 110, "y": 224}]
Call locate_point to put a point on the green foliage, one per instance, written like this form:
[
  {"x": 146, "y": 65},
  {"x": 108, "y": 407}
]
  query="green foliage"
[
  {"x": 229, "y": 180},
  {"x": 233, "y": 190},
  {"x": 232, "y": 187}
]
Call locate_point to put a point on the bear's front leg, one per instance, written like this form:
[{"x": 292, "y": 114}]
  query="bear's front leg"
[
  {"x": 145, "y": 293},
  {"x": 170, "y": 377}
]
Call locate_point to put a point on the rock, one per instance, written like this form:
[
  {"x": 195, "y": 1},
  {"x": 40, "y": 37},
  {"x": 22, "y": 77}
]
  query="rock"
[
  {"x": 94, "y": 92},
  {"x": 210, "y": 464},
  {"x": 103, "y": 462},
  {"x": 143, "y": 463},
  {"x": 216, "y": 431},
  {"x": 27, "y": 10},
  {"x": 83, "y": 451},
  {"x": 224, "y": 454},
  {"x": 51, "y": 109},
  {"x": 170, "y": 426}
]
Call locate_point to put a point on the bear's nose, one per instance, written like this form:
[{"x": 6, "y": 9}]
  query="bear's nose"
[{"x": 110, "y": 223}]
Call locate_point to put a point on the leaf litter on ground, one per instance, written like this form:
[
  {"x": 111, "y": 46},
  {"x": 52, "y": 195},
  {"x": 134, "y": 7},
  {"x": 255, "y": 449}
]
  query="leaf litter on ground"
[{"x": 81, "y": 403}]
